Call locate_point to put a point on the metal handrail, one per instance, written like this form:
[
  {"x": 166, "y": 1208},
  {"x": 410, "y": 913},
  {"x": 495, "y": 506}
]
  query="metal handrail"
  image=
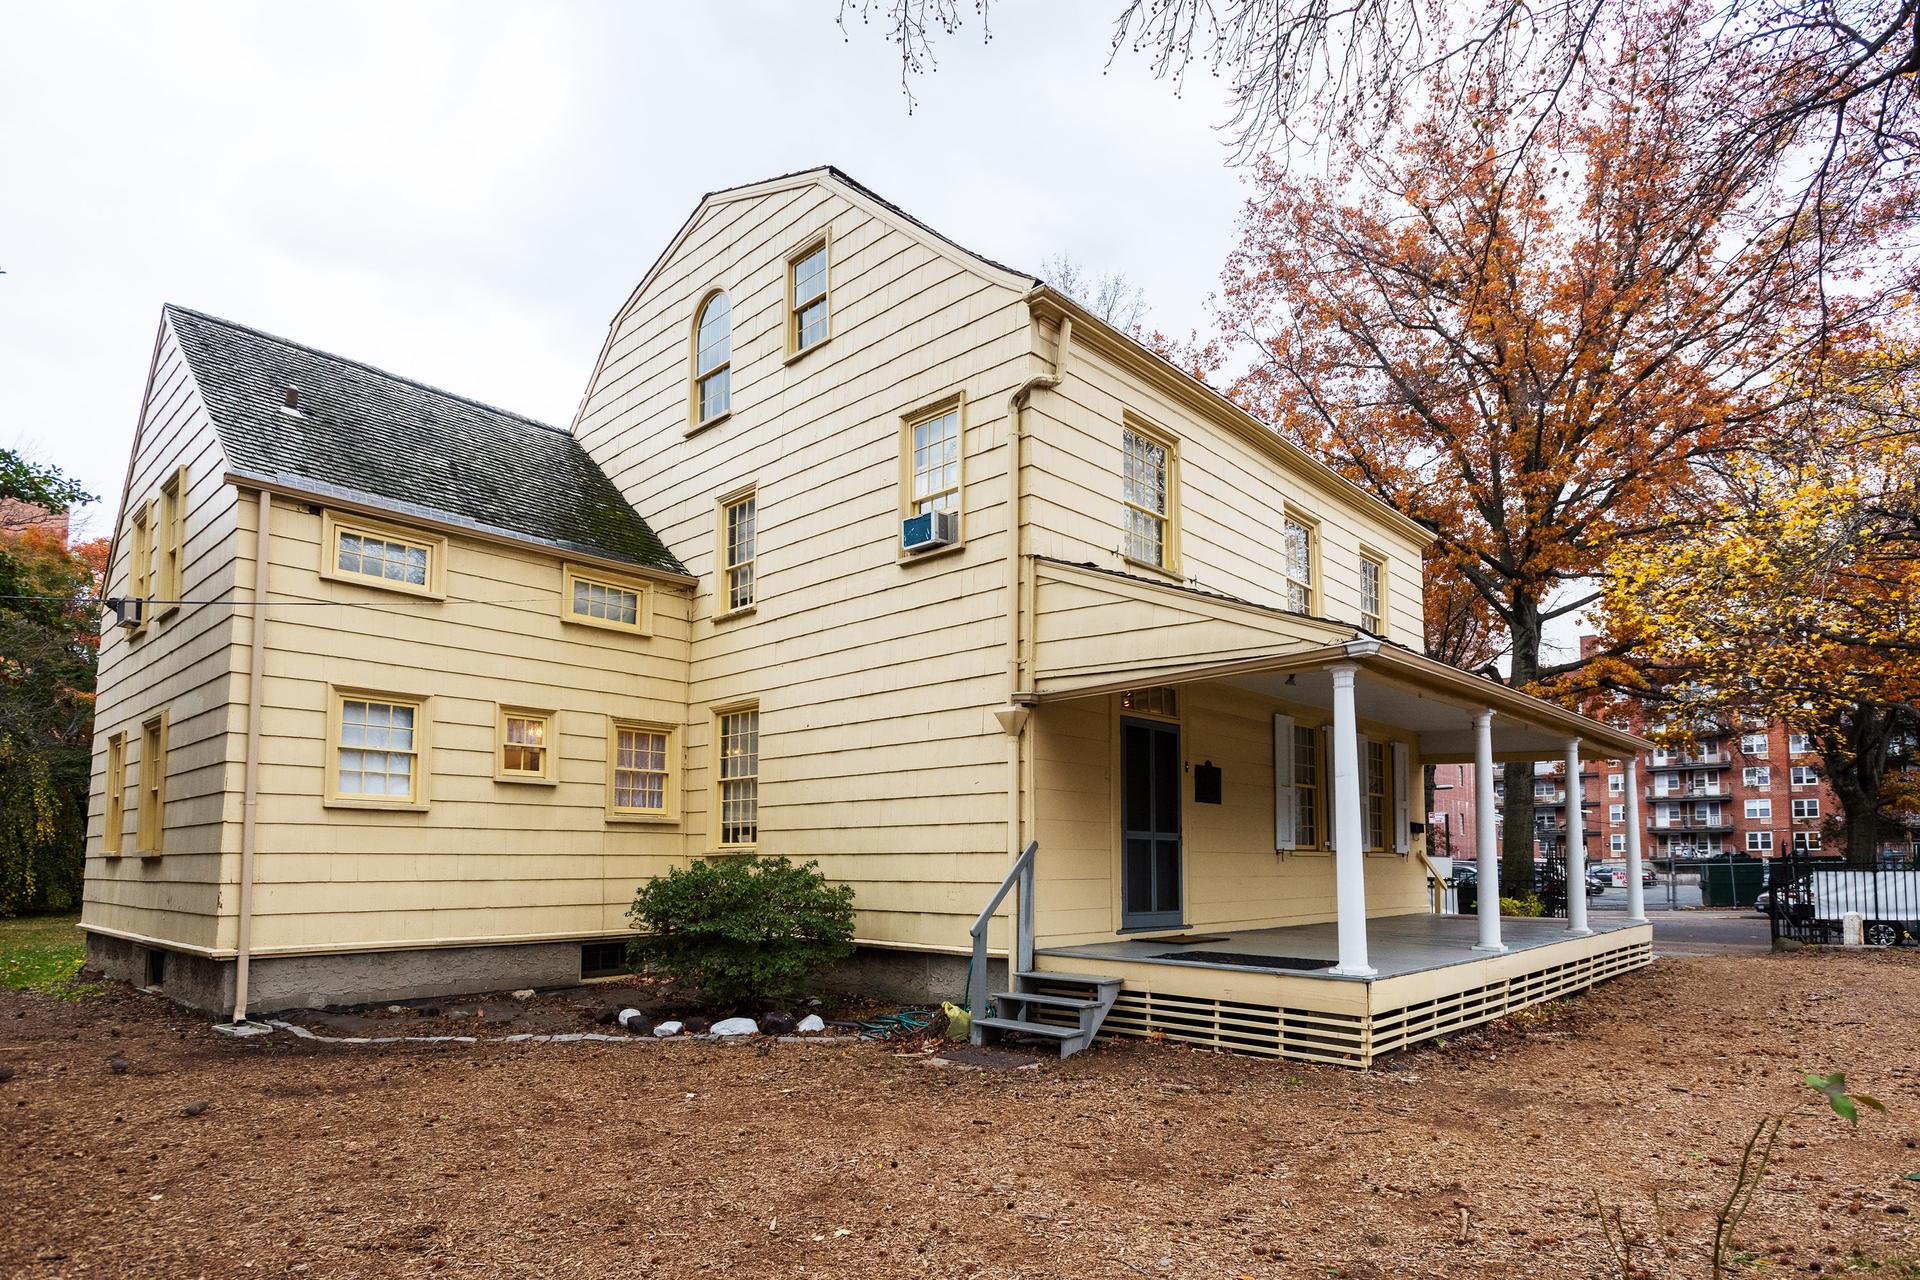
[{"x": 1021, "y": 873}]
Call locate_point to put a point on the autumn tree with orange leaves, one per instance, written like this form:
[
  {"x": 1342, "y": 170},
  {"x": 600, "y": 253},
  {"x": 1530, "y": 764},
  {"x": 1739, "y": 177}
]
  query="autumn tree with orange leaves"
[{"x": 1547, "y": 359}]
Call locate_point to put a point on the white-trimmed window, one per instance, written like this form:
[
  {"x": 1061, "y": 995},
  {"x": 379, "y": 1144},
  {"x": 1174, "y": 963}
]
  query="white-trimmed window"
[
  {"x": 933, "y": 462},
  {"x": 1616, "y": 782},
  {"x": 739, "y": 539},
  {"x": 114, "y": 830},
  {"x": 1806, "y": 842},
  {"x": 151, "y": 822},
  {"x": 1147, "y": 477},
  {"x": 1617, "y": 843},
  {"x": 1753, "y": 744},
  {"x": 1759, "y": 842},
  {"x": 1803, "y": 809},
  {"x": 1759, "y": 808},
  {"x": 1757, "y": 775},
  {"x": 639, "y": 772},
  {"x": 1296, "y": 561},
  {"x": 736, "y": 735},
  {"x": 807, "y": 298},
  {"x": 375, "y": 750},
  {"x": 602, "y": 600},
  {"x": 170, "y": 536},
  {"x": 1616, "y": 813},
  {"x": 1373, "y": 799},
  {"x": 1804, "y": 776},
  {"x": 1799, "y": 744},
  {"x": 712, "y": 361},
  {"x": 380, "y": 555},
  {"x": 524, "y": 745},
  {"x": 1373, "y": 578}
]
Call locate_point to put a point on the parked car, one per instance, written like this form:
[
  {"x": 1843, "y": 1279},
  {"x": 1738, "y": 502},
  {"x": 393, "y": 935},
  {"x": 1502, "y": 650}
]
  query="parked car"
[{"x": 1794, "y": 902}]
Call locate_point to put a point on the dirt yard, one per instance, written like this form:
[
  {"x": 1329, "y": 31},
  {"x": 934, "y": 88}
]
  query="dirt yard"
[{"x": 1482, "y": 1158}]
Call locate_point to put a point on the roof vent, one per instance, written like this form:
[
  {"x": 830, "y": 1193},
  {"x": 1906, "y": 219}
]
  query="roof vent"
[{"x": 292, "y": 401}]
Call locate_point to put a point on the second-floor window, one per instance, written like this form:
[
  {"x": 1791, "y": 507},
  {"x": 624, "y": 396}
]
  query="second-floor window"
[
  {"x": 1806, "y": 808},
  {"x": 713, "y": 361},
  {"x": 1759, "y": 808},
  {"x": 1756, "y": 776},
  {"x": 1296, "y": 551},
  {"x": 1147, "y": 490},
  {"x": 807, "y": 299},
  {"x": 935, "y": 460},
  {"x": 1799, "y": 743},
  {"x": 1373, "y": 573},
  {"x": 1804, "y": 776},
  {"x": 738, "y": 520}
]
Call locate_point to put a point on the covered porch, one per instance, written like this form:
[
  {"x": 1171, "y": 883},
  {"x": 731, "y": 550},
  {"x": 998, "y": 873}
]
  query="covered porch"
[{"x": 1228, "y": 810}]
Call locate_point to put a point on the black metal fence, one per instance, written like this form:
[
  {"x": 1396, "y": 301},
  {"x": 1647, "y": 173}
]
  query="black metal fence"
[{"x": 1808, "y": 900}]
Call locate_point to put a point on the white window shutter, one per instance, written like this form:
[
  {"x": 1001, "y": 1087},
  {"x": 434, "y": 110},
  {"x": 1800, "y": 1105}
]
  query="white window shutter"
[
  {"x": 1284, "y": 795},
  {"x": 1402, "y": 828}
]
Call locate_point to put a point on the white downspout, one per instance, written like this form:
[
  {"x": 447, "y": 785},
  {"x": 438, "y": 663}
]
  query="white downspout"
[{"x": 256, "y": 682}]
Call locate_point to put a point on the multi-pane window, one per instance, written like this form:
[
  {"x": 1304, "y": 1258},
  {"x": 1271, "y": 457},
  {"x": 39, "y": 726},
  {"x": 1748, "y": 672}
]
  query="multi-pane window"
[
  {"x": 116, "y": 820},
  {"x": 1804, "y": 775},
  {"x": 1616, "y": 813},
  {"x": 936, "y": 463},
  {"x": 1799, "y": 743},
  {"x": 1759, "y": 808},
  {"x": 377, "y": 756},
  {"x": 639, "y": 769},
  {"x": 1806, "y": 842},
  {"x": 737, "y": 538},
  {"x": 1617, "y": 844},
  {"x": 1759, "y": 841},
  {"x": 1144, "y": 489},
  {"x": 807, "y": 299},
  {"x": 526, "y": 746},
  {"x": 603, "y": 602},
  {"x": 1616, "y": 782},
  {"x": 738, "y": 735},
  {"x": 1296, "y": 556},
  {"x": 140, "y": 560},
  {"x": 1753, "y": 744},
  {"x": 1757, "y": 775},
  {"x": 1374, "y": 802},
  {"x": 1806, "y": 809},
  {"x": 1306, "y": 787},
  {"x": 170, "y": 535},
  {"x": 1154, "y": 700},
  {"x": 1371, "y": 574},
  {"x": 151, "y": 824},
  {"x": 381, "y": 557},
  {"x": 712, "y": 360}
]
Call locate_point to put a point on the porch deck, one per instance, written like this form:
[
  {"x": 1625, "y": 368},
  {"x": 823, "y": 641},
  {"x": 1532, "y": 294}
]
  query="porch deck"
[{"x": 1430, "y": 983}]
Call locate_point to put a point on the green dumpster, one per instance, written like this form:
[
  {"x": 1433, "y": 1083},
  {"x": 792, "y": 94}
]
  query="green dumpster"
[{"x": 1732, "y": 882}]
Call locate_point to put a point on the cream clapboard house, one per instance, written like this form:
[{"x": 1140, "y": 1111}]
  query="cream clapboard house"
[{"x": 862, "y": 548}]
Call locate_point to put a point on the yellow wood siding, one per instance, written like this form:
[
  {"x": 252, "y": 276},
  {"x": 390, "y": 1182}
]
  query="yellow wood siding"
[
  {"x": 482, "y": 859},
  {"x": 876, "y": 677},
  {"x": 188, "y": 663}
]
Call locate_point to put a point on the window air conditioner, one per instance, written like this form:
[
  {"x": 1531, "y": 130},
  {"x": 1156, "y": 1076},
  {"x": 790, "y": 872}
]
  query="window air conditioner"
[{"x": 929, "y": 530}]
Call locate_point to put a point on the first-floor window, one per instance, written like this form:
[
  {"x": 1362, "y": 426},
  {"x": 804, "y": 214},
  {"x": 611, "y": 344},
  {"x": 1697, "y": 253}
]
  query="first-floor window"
[
  {"x": 1804, "y": 775},
  {"x": 738, "y": 734},
  {"x": 1806, "y": 842},
  {"x": 116, "y": 797},
  {"x": 1306, "y": 787},
  {"x": 639, "y": 769},
  {"x": 1759, "y": 808},
  {"x": 1375, "y": 800},
  {"x": 1759, "y": 841},
  {"x": 377, "y": 754},
  {"x": 151, "y": 823},
  {"x": 526, "y": 746}
]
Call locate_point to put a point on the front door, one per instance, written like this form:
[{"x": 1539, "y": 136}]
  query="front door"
[{"x": 1149, "y": 824}]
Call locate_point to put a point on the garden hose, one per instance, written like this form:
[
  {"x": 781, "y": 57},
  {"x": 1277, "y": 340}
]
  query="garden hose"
[{"x": 897, "y": 1026}]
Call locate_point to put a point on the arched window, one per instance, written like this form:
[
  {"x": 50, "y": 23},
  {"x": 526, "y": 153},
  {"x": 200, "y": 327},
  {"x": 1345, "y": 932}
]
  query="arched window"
[{"x": 712, "y": 353}]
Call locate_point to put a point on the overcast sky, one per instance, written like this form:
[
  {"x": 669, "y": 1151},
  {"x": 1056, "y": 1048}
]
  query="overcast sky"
[{"x": 464, "y": 192}]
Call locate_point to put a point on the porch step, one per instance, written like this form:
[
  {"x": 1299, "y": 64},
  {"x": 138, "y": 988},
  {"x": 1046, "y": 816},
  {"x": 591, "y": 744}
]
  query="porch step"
[{"x": 1088, "y": 1011}]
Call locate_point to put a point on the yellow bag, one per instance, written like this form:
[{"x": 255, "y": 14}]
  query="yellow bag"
[{"x": 959, "y": 1021}]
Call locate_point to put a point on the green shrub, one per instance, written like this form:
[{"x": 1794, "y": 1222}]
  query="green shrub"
[
  {"x": 740, "y": 928},
  {"x": 1527, "y": 906}
]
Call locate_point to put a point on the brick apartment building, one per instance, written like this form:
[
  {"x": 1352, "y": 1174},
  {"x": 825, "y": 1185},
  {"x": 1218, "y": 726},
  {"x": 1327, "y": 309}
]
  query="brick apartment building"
[{"x": 1758, "y": 791}]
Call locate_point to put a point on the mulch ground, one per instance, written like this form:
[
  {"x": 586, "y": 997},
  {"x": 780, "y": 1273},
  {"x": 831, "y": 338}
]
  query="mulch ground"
[{"x": 1482, "y": 1158}]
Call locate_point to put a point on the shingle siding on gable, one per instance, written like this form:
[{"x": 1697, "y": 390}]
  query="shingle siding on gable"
[{"x": 363, "y": 434}]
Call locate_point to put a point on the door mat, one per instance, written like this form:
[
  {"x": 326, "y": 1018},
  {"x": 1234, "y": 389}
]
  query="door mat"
[
  {"x": 1247, "y": 961},
  {"x": 1188, "y": 939}
]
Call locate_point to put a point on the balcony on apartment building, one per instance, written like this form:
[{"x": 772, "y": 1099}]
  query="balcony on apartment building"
[{"x": 1692, "y": 822}]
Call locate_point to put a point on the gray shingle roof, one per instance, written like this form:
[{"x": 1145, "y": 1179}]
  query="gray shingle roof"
[{"x": 366, "y": 434}]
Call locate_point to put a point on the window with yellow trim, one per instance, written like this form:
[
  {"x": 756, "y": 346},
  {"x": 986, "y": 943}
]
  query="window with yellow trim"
[
  {"x": 713, "y": 360},
  {"x": 171, "y": 535},
  {"x": 1297, "y": 555},
  {"x": 737, "y": 777},
  {"x": 807, "y": 298},
  {"x": 739, "y": 535},
  {"x": 151, "y": 824},
  {"x": 140, "y": 560},
  {"x": 933, "y": 462},
  {"x": 639, "y": 777},
  {"x": 375, "y": 750},
  {"x": 1147, "y": 495},
  {"x": 602, "y": 600},
  {"x": 374, "y": 554},
  {"x": 524, "y": 743},
  {"x": 113, "y": 832}
]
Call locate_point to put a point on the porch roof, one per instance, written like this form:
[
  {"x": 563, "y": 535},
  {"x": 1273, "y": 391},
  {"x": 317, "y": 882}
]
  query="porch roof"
[{"x": 1396, "y": 687}]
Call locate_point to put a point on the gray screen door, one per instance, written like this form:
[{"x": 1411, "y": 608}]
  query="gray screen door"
[{"x": 1149, "y": 824}]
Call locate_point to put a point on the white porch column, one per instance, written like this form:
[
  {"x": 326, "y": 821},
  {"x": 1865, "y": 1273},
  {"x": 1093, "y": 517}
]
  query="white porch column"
[
  {"x": 1487, "y": 865},
  {"x": 1576, "y": 846},
  {"x": 1349, "y": 842},
  {"x": 1636, "y": 896}
]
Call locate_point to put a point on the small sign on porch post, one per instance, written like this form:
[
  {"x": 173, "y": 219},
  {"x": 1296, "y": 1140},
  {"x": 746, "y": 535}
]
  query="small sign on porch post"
[{"x": 1206, "y": 783}]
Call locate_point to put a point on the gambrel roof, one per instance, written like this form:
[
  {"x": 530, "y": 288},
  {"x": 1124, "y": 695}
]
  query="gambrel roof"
[{"x": 365, "y": 435}]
